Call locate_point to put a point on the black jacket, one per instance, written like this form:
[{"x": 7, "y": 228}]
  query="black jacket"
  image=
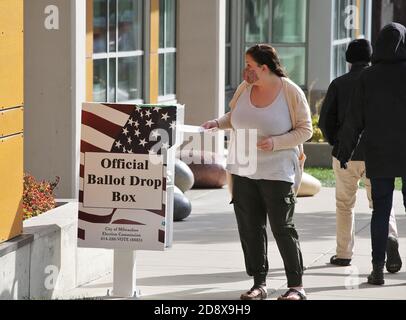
[
  {"x": 335, "y": 105},
  {"x": 378, "y": 109}
]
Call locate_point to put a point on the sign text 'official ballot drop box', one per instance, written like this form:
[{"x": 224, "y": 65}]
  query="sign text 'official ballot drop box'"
[
  {"x": 127, "y": 176},
  {"x": 126, "y": 191}
]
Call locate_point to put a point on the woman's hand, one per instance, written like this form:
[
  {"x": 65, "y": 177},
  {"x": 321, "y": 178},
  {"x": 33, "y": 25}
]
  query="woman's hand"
[
  {"x": 265, "y": 144},
  {"x": 212, "y": 124}
]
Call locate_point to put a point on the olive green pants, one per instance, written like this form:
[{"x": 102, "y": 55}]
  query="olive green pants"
[{"x": 254, "y": 201}]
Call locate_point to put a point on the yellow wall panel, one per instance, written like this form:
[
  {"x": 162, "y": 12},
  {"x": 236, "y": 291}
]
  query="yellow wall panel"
[
  {"x": 11, "y": 186},
  {"x": 154, "y": 78},
  {"x": 89, "y": 79},
  {"x": 89, "y": 29},
  {"x": 11, "y": 121},
  {"x": 11, "y": 53}
]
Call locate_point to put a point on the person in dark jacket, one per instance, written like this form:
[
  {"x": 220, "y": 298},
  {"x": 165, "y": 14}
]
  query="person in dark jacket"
[
  {"x": 378, "y": 111},
  {"x": 332, "y": 116}
]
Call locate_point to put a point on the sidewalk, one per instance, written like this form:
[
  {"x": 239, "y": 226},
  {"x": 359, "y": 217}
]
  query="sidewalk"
[{"x": 206, "y": 261}]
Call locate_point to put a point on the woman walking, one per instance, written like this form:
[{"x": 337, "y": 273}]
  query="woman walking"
[{"x": 276, "y": 109}]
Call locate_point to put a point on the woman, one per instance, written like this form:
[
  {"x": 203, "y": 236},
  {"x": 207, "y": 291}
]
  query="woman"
[{"x": 268, "y": 102}]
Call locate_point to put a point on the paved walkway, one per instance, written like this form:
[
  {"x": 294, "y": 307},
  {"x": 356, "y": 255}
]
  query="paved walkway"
[{"x": 206, "y": 261}]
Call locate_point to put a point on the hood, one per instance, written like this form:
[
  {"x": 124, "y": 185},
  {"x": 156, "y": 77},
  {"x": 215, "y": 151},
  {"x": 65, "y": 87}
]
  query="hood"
[{"x": 390, "y": 46}]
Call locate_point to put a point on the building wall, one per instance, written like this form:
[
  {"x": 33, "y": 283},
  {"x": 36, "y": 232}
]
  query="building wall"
[
  {"x": 11, "y": 118},
  {"x": 200, "y": 45},
  {"x": 320, "y": 50},
  {"x": 54, "y": 90},
  {"x": 59, "y": 67},
  {"x": 59, "y": 77},
  {"x": 201, "y": 61},
  {"x": 320, "y": 39}
]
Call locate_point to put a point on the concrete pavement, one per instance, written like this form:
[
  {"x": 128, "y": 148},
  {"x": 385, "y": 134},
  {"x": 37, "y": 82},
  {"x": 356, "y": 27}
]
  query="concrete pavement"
[{"x": 206, "y": 260}]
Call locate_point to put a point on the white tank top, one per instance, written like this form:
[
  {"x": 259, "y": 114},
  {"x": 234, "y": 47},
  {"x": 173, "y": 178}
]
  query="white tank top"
[{"x": 245, "y": 159}]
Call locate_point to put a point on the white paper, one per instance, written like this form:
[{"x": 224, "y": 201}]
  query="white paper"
[{"x": 190, "y": 129}]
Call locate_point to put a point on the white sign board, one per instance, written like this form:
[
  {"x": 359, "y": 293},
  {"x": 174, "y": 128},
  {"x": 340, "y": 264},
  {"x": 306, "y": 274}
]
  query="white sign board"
[{"x": 123, "y": 176}]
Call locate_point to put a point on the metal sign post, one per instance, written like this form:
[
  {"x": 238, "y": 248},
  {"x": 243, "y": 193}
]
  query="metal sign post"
[{"x": 124, "y": 274}]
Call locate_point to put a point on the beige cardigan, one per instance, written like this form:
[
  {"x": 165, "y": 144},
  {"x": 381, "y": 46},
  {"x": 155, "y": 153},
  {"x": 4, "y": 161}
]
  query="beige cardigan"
[
  {"x": 301, "y": 121},
  {"x": 299, "y": 112}
]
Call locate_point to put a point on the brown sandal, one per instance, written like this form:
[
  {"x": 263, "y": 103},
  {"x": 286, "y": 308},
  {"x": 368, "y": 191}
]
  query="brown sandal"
[
  {"x": 255, "y": 293},
  {"x": 292, "y": 294}
]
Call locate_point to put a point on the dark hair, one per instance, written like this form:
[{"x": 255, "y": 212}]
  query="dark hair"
[
  {"x": 359, "y": 50},
  {"x": 266, "y": 54}
]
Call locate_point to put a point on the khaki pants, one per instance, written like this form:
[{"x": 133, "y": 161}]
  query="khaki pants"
[{"x": 347, "y": 182}]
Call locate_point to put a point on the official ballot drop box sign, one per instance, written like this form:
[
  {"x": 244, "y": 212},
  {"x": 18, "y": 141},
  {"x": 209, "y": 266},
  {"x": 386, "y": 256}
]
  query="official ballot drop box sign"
[{"x": 123, "y": 175}]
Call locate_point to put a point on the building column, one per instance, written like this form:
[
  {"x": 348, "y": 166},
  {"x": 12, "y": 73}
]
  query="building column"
[
  {"x": 320, "y": 38},
  {"x": 55, "y": 87},
  {"x": 200, "y": 77}
]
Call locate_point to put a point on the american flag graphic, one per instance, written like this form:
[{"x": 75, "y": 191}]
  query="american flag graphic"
[{"x": 129, "y": 129}]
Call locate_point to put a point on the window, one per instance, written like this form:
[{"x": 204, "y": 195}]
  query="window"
[
  {"x": 256, "y": 22},
  {"x": 289, "y": 21},
  {"x": 167, "y": 49},
  {"x": 346, "y": 29},
  {"x": 118, "y": 51},
  {"x": 282, "y": 23},
  {"x": 289, "y": 25}
]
